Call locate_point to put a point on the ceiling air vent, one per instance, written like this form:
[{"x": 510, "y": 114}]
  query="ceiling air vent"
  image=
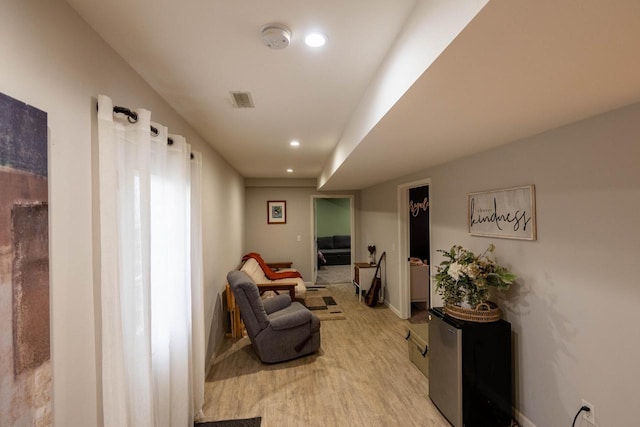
[{"x": 242, "y": 100}]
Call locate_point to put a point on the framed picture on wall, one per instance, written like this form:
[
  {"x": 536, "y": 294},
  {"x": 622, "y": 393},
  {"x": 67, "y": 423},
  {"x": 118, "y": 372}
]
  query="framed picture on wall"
[
  {"x": 508, "y": 213},
  {"x": 276, "y": 212}
]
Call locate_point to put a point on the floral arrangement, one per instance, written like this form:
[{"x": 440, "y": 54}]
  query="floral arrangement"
[{"x": 464, "y": 277}]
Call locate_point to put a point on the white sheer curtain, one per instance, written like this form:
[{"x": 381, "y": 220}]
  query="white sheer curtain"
[{"x": 151, "y": 274}]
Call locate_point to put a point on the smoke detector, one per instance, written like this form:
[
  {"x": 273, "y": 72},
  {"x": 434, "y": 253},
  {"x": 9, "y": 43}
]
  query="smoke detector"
[{"x": 276, "y": 36}]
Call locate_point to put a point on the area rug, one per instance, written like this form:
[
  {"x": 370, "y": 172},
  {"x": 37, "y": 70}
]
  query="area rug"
[
  {"x": 246, "y": 422},
  {"x": 318, "y": 299}
]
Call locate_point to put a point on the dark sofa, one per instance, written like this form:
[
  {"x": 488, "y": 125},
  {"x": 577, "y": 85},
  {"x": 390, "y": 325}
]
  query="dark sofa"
[{"x": 336, "y": 250}]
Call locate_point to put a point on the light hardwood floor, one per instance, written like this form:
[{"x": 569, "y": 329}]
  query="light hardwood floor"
[{"x": 362, "y": 376}]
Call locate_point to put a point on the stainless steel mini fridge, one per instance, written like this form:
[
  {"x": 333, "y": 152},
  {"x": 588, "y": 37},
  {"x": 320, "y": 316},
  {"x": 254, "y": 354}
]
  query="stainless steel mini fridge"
[{"x": 470, "y": 370}]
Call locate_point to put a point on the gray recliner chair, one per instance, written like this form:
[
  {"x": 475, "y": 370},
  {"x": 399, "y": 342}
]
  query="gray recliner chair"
[{"x": 279, "y": 329}]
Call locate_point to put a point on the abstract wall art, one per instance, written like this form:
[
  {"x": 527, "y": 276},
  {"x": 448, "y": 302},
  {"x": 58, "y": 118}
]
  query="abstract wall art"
[{"x": 25, "y": 361}]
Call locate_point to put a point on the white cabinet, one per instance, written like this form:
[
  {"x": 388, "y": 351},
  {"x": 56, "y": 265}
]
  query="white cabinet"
[
  {"x": 363, "y": 277},
  {"x": 419, "y": 277}
]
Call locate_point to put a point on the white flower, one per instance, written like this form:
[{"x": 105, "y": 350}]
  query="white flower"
[
  {"x": 456, "y": 270},
  {"x": 471, "y": 270}
]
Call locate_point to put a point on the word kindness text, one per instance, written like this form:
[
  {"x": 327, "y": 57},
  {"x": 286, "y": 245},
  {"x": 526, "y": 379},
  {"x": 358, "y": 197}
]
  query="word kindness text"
[{"x": 515, "y": 220}]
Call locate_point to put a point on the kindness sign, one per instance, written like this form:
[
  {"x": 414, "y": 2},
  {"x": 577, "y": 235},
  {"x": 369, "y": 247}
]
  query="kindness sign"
[{"x": 508, "y": 213}]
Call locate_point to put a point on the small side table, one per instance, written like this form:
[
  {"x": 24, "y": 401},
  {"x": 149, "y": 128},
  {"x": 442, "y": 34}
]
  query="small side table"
[
  {"x": 237, "y": 327},
  {"x": 363, "y": 276}
]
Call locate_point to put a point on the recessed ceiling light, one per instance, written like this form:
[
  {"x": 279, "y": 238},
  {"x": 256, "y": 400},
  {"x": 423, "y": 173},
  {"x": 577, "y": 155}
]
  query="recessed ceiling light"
[
  {"x": 315, "y": 39},
  {"x": 289, "y": 170},
  {"x": 294, "y": 144}
]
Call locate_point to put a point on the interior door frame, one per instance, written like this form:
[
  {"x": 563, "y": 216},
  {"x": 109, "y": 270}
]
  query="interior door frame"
[
  {"x": 352, "y": 225},
  {"x": 403, "y": 244}
]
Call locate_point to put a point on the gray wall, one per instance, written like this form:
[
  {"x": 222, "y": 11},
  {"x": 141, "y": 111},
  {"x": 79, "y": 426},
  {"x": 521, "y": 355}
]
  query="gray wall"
[
  {"x": 52, "y": 60},
  {"x": 574, "y": 309},
  {"x": 279, "y": 242}
]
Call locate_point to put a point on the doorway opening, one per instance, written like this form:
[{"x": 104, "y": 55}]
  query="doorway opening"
[
  {"x": 419, "y": 252},
  {"x": 414, "y": 246},
  {"x": 333, "y": 237}
]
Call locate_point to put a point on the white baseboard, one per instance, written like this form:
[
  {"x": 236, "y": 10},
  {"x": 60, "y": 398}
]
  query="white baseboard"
[
  {"x": 392, "y": 308},
  {"x": 524, "y": 421}
]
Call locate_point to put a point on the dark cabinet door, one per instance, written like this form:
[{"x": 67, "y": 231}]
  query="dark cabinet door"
[
  {"x": 470, "y": 370},
  {"x": 486, "y": 374}
]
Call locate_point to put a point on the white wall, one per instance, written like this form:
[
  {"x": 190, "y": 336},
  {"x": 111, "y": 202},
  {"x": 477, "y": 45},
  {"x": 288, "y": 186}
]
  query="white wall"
[
  {"x": 278, "y": 242},
  {"x": 574, "y": 312},
  {"x": 52, "y": 60},
  {"x": 376, "y": 224}
]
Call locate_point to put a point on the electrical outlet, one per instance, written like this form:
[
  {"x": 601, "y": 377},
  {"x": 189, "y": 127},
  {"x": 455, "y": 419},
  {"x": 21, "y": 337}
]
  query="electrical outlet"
[{"x": 591, "y": 415}]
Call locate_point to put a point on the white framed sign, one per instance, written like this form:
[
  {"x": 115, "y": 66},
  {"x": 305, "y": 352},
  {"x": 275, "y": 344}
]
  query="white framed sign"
[{"x": 508, "y": 213}]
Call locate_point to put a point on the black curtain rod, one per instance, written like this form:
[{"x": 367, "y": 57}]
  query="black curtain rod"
[{"x": 132, "y": 117}]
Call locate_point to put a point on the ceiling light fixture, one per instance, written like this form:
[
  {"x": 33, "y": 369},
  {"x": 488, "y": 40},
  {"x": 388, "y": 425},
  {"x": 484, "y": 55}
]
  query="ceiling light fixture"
[
  {"x": 294, "y": 143},
  {"x": 289, "y": 170},
  {"x": 315, "y": 39},
  {"x": 276, "y": 36}
]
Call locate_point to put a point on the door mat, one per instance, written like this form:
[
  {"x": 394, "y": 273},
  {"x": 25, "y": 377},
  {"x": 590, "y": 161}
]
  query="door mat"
[{"x": 246, "y": 422}]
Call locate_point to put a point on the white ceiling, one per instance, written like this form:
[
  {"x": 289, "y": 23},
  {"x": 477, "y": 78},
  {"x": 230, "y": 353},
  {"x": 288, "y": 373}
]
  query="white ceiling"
[{"x": 519, "y": 68}]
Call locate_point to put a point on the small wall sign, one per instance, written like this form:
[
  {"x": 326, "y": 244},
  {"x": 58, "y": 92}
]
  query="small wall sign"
[{"x": 508, "y": 213}]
